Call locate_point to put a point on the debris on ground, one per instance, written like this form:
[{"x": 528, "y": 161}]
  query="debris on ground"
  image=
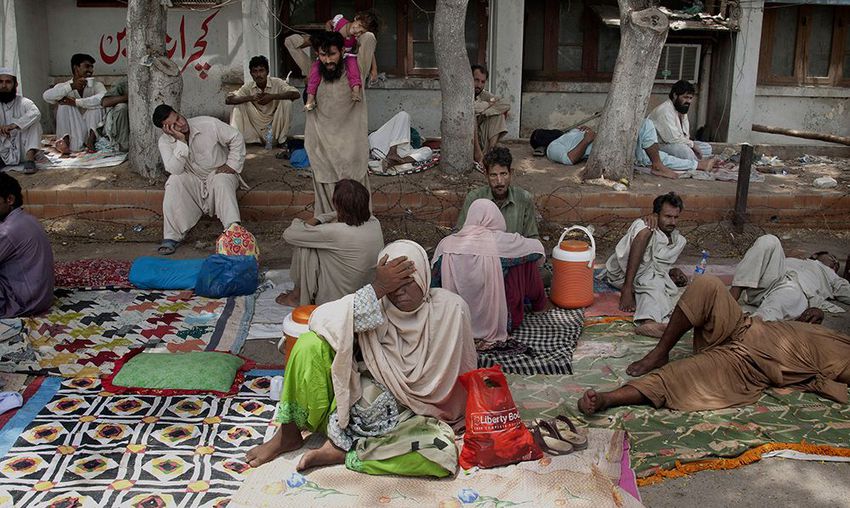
[{"x": 825, "y": 182}]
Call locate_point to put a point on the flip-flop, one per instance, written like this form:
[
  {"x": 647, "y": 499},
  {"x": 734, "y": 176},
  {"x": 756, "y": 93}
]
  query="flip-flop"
[
  {"x": 167, "y": 247},
  {"x": 539, "y": 151},
  {"x": 568, "y": 432},
  {"x": 546, "y": 437}
]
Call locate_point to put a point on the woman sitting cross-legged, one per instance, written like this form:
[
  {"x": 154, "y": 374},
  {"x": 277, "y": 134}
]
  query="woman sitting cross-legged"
[
  {"x": 493, "y": 271},
  {"x": 377, "y": 373}
]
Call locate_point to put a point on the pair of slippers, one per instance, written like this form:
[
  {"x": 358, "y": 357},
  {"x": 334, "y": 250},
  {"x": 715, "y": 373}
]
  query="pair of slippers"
[
  {"x": 167, "y": 247},
  {"x": 558, "y": 436}
]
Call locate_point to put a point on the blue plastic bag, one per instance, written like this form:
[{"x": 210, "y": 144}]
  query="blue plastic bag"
[
  {"x": 150, "y": 272},
  {"x": 222, "y": 276},
  {"x": 298, "y": 159}
]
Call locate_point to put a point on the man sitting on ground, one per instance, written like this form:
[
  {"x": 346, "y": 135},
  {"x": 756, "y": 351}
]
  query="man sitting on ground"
[
  {"x": 116, "y": 126},
  {"x": 79, "y": 113},
  {"x": 203, "y": 157},
  {"x": 736, "y": 358},
  {"x": 490, "y": 111},
  {"x": 26, "y": 260},
  {"x": 776, "y": 288},
  {"x": 262, "y": 104},
  {"x": 515, "y": 203},
  {"x": 20, "y": 127},
  {"x": 576, "y": 144},
  {"x": 671, "y": 123},
  {"x": 333, "y": 254},
  {"x": 642, "y": 267}
]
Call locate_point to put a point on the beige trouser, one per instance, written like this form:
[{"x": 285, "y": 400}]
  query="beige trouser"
[
  {"x": 489, "y": 127},
  {"x": 188, "y": 198},
  {"x": 14, "y": 148},
  {"x": 766, "y": 287},
  {"x": 252, "y": 123},
  {"x": 76, "y": 123}
]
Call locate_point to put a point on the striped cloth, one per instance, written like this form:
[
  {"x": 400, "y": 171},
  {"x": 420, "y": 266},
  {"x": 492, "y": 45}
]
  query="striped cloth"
[{"x": 551, "y": 336}]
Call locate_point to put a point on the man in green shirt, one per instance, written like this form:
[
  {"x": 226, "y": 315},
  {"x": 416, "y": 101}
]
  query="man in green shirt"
[
  {"x": 116, "y": 125},
  {"x": 516, "y": 204}
]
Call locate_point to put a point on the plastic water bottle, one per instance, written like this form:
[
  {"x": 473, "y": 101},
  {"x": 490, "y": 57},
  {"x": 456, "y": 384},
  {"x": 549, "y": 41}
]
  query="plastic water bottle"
[
  {"x": 269, "y": 137},
  {"x": 703, "y": 261}
]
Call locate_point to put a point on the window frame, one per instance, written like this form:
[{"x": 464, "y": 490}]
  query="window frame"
[{"x": 841, "y": 20}]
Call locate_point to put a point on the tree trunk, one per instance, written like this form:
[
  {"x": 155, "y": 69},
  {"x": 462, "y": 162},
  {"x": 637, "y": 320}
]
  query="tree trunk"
[
  {"x": 643, "y": 31},
  {"x": 153, "y": 79},
  {"x": 457, "y": 126}
]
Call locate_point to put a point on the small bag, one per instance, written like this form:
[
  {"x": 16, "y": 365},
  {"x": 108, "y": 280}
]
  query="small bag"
[
  {"x": 237, "y": 241},
  {"x": 495, "y": 435},
  {"x": 223, "y": 276}
]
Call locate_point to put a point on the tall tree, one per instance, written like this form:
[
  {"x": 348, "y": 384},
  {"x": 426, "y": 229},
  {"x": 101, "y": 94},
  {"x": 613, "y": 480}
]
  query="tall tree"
[
  {"x": 458, "y": 121},
  {"x": 643, "y": 31},
  {"x": 153, "y": 79}
]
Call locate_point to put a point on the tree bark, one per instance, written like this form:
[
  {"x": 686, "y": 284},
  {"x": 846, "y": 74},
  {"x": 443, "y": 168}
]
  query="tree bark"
[
  {"x": 458, "y": 121},
  {"x": 152, "y": 79},
  {"x": 832, "y": 138},
  {"x": 643, "y": 31}
]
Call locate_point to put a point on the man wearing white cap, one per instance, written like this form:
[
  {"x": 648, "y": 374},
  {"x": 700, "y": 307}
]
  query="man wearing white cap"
[
  {"x": 79, "y": 113},
  {"x": 20, "y": 128}
]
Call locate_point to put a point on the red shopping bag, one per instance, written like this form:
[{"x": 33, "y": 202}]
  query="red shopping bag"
[{"x": 495, "y": 435}]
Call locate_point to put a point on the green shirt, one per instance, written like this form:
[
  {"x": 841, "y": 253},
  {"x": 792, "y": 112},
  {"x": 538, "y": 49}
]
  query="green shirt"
[{"x": 518, "y": 210}]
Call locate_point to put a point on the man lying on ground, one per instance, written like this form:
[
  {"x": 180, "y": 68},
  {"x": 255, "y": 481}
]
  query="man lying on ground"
[
  {"x": 20, "y": 127},
  {"x": 671, "y": 124},
  {"x": 575, "y": 146},
  {"x": 736, "y": 358},
  {"x": 642, "y": 267},
  {"x": 778, "y": 288},
  {"x": 204, "y": 157},
  {"x": 26, "y": 260},
  {"x": 333, "y": 254}
]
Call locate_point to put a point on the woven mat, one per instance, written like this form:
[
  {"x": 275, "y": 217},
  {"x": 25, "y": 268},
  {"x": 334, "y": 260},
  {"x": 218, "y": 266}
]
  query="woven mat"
[
  {"x": 588, "y": 477},
  {"x": 83, "y": 447},
  {"x": 660, "y": 438},
  {"x": 86, "y": 331},
  {"x": 552, "y": 337},
  {"x": 92, "y": 273}
]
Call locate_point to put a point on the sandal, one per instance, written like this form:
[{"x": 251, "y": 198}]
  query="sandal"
[
  {"x": 167, "y": 247},
  {"x": 550, "y": 442},
  {"x": 539, "y": 152},
  {"x": 569, "y": 433}
]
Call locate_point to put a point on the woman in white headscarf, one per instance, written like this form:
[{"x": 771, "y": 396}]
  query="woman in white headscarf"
[{"x": 378, "y": 374}]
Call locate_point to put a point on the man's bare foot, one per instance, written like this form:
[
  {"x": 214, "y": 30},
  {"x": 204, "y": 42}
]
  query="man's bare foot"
[
  {"x": 91, "y": 139},
  {"x": 664, "y": 171},
  {"x": 327, "y": 455},
  {"x": 651, "y": 329},
  {"x": 63, "y": 145},
  {"x": 707, "y": 164},
  {"x": 592, "y": 402},
  {"x": 290, "y": 299},
  {"x": 650, "y": 362},
  {"x": 286, "y": 439}
]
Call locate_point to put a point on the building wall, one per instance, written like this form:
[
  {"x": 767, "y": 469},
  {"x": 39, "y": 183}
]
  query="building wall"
[{"x": 818, "y": 109}]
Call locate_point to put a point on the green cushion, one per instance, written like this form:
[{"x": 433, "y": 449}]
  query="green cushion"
[{"x": 199, "y": 370}]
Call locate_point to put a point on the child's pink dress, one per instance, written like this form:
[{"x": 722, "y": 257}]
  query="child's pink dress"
[{"x": 352, "y": 70}]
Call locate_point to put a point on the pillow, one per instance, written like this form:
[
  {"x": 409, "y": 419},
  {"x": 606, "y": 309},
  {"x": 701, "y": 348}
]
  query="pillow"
[
  {"x": 237, "y": 241},
  {"x": 149, "y": 272},
  {"x": 167, "y": 374}
]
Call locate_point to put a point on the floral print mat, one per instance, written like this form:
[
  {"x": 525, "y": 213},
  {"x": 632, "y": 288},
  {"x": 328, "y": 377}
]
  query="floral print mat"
[{"x": 659, "y": 438}]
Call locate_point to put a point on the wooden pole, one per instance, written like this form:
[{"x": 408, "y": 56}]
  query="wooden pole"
[
  {"x": 831, "y": 138},
  {"x": 743, "y": 190}
]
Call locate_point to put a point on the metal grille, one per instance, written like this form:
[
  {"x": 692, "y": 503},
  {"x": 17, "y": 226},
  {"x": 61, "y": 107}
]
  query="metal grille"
[{"x": 678, "y": 61}]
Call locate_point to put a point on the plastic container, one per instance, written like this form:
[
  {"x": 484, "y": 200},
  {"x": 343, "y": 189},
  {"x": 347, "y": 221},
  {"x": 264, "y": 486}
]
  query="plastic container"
[
  {"x": 572, "y": 264},
  {"x": 294, "y": 324}
]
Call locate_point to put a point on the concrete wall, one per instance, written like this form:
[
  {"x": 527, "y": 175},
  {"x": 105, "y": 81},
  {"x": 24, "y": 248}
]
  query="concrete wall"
[
  {"x": 212, "y": 63},
  {"x": 818, "y": 109}
]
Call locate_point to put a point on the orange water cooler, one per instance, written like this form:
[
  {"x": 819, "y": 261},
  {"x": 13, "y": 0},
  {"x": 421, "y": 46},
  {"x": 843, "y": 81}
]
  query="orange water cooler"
[
  {"x": 572, "y": 264},
  {"x": 294, "y": 324}
]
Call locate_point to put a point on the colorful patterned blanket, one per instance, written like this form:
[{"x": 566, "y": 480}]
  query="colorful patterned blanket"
[
  {"x": 660, "y": 438},
  {"x": 89, "y": 448},
  {"x": 85, "y": 331}
]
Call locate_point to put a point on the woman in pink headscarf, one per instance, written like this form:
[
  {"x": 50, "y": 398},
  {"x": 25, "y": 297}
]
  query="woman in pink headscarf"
[{"x": 493, "y": 271}]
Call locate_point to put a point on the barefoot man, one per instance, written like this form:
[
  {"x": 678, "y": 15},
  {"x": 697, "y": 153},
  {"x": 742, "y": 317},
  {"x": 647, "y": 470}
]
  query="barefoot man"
[
  {"x": 79, "y": 112},
  {"x": 736, "y": 358},
  {"x": 575, "y": 145},
  {"x": 642, "y": 266},
  {"x": 394, "y": 410}
]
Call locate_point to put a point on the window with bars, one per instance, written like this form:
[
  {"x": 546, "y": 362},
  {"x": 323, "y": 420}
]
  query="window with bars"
[
  {"x": 405, "y": 41},
  {"x": 805, "y": 45}
]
